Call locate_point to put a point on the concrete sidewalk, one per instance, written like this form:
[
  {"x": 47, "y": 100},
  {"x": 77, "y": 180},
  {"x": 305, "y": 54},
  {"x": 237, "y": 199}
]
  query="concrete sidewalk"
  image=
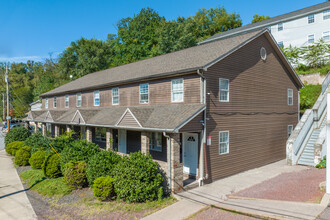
[
  {"x": 14, "y": 203},
  {"x": 217, "y": 194}
]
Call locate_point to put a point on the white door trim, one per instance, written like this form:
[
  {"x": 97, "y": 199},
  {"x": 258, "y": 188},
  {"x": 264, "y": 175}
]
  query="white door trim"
[{"x": 183, "y": 150}]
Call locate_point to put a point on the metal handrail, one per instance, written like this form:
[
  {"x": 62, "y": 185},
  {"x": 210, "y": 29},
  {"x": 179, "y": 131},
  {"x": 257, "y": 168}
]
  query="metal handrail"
[{"x": 326, "y": 82}]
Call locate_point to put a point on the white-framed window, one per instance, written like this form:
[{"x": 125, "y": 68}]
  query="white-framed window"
[
  {"x": 290, "y": 130},
  {"x": 311, "y": 38},
  {"x": 55, "y": 102},
  {"x": 177, "y": 90},
  {"x": 223, "y": 90},
  {"x": 280, "y": 44},
  {"x": 155, "y": 141},
  {"x": 223, "y": 142},
  {"x": 66, "y": 100},
  {"x": 326, "y": 15},
  {"x": 326, "y": 35},
  {"x": 311, "y": 19},
  {"x": 144, "y": 93},
  {"x": 79, "y": 99},
  {"x": 290, "y": 97},
  {"x": 115, "y": 96},
  {"x": 280, "y": 27},
  {"x": 97, "y": 98},
  {"x": 46, "y": 103}
]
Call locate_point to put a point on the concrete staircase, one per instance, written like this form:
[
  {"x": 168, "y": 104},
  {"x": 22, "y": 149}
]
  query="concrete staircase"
[{"x": 307, "y": 157}]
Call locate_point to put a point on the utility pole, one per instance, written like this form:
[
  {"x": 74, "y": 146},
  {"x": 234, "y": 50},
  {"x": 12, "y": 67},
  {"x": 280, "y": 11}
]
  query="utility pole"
[
  {"x": 3, "y": 107},
  {"x": 7, "y": 89}
]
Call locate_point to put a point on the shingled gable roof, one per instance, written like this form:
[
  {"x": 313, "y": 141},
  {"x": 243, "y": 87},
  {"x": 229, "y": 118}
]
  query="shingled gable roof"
[
  {"x": 184, "y": 61},
  {"x": 158, "y": 117},
  {"x": 269, "y": 22}
]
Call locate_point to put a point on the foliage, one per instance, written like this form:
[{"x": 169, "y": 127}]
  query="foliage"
[
  {"x": 257, "y": 18},
  {"x": 36, "y": 181},
  {"x": 308, "y": 96},
  {"x": 22, "y": 156},
  {"x": 37, "y": 159},
  {"x": 38, "y": 142},
  {"x": 61, "y": 142},
  {"x": 101, "y": 164},
  {"x": 104, "y": 188},
  {"x": 75, "y": 174},
  {"x": 13, "y": 147},
  {"x": 322, "y": 164},
  {"x": 293, "y": 54},
  {"x": 315, "y": 54},
  {"x": 80, "y": 150},
  {"x": 137, "y": 178},
  {"x": 303, "y": 69},
  {"x": 51, "y": 167},
  {"x": 17, "y": 134}
]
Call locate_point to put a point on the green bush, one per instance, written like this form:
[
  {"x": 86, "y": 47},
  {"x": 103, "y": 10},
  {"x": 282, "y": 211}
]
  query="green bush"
[
  {"x": 17, "y": 134},
  {"x": 75, "y": 174},
  {"x": 104, "y": 188},
  {"x": 61, "y": 142},
  {"x": 22, "y": 156},
  {"x": 322, "y": 164},
  {"x": 137, "y": 178},
  {"x": 37, "y": 159},
  {"x": 80, "y": 150},
  {"x": 101, "y": 164},
  {"x": 37, "y": 142},
  {"x": 51, "y": 167},
  {"x": 13, "y": 147},
  {"x": 308, "y": 96}
]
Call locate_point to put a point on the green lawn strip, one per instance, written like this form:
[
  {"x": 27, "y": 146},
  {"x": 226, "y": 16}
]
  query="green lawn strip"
[
  {"x": 90, "y": 206},
  {"x": 36, "y": 181}
]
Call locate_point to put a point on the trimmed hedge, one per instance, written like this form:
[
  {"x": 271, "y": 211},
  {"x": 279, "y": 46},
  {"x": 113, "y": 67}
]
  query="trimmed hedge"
[
  {"x": 37, "y": 142},
  {"x": 101, "y": 164},
  {"x": 80, "y": 150},
  {"x": 22, "y": 156},
  {"x": 104, "y": 188},
  {"x": 51, "y": 167},
  {"x": 37, "y": 159},
  {"x": 137, "y": 178},
  {"x": 17, "y": 134},
  {"x": 13, "y": 147},
  {"x": 75, "y": 174}
]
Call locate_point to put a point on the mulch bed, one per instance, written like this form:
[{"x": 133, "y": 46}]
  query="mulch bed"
[{"x": 302, "y": 186}]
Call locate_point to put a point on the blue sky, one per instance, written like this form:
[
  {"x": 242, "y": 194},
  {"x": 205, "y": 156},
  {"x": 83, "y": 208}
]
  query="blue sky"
[{"x": 31, "y": 29}]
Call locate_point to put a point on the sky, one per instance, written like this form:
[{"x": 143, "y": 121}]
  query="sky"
[{"x": 34, "y": 29}]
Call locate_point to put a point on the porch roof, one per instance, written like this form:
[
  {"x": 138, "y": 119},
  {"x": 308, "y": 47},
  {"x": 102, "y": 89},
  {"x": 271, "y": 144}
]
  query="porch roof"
[{"x": 168, "y": 118}]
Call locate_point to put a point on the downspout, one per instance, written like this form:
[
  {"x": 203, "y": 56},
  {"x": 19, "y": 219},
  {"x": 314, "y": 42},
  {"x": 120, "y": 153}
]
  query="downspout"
[
  {"x": 170, "y": 159},
  {"x": 203, "y": 158}
]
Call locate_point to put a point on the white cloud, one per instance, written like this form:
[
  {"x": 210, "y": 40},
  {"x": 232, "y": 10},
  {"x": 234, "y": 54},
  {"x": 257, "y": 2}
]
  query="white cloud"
[{"x": 21, "y": 59}]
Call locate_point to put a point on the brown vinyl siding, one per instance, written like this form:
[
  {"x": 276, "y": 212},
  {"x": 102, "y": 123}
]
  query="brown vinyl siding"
[
  {"x": 129, "y": 95},
  {"x": 257, "y": 114},
  {"x": 194, "y": 125}
]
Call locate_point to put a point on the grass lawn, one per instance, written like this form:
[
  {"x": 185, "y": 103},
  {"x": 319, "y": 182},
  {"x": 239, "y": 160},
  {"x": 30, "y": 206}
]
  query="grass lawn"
[
  {"x": 68, "y": 204},
  {"x": 36, "y": 181}
]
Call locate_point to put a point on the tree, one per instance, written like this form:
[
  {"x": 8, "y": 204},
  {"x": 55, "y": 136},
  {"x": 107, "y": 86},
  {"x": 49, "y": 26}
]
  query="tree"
[
  {"x": 315, "y": 54},
  {"x": 294, "y": 54},
  {"x": 257, "y": 18}
]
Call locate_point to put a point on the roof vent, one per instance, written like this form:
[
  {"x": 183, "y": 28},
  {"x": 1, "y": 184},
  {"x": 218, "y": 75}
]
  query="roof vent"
[{"x": 263, "y": 53}]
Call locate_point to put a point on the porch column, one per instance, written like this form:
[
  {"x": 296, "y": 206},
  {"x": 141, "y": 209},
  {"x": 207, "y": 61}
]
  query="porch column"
[
  {"x": 144, "y": 142},
  {"x": 36, "y": 127},
  {"x": 109, "y": 139},
  {"x": 44, "y": 129},
  {"x": 89, "y": 134},
  {"x": 176, "y": 167},
  {"x": 57, "y": 130},
  {"x": 68, "y": 128}
]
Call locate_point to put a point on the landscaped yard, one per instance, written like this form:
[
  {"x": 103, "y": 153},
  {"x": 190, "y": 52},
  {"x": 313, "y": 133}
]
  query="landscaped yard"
[{"x": 74, "y": 179}]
